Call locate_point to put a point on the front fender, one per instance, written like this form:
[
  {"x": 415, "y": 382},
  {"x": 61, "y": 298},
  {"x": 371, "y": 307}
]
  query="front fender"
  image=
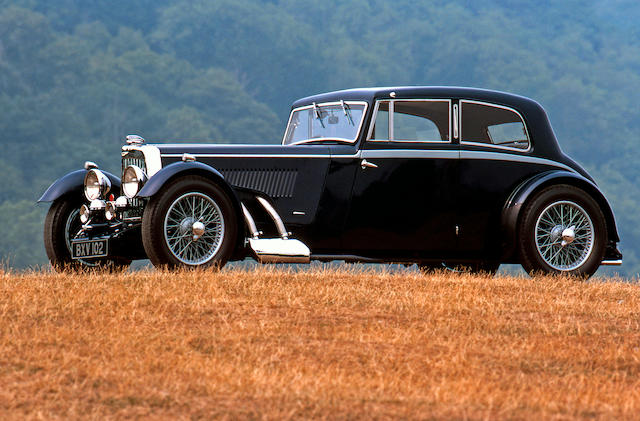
[
  {"x": 177, "y": 169},
  {"x": 72, "y": 182},
  {"x": 515, "y": 204}
]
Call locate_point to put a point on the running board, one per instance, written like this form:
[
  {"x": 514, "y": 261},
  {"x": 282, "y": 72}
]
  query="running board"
[
  {"x": 279, "y": 250},
  {"x": 275, "y": 250}
]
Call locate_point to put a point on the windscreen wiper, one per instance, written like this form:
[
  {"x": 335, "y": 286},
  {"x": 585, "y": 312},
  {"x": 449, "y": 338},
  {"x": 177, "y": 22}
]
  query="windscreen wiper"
[
  {"x": 318, "y": 113},
  {"x": 347, "y": 111}
]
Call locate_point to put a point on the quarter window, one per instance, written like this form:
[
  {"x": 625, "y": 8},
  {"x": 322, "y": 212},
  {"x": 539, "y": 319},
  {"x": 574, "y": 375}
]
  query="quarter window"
[
  {"x": 381, "y": 127},
  {"x": 491, "y": 124},
  {"x": 412, "y": 121}
]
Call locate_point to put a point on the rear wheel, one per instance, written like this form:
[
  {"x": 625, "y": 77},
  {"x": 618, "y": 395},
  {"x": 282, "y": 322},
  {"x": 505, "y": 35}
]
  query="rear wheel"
[
  {"x": 562, "y": 231},
  {"x": 61, "y": 225},
  {"x": 191, "y": 224}
]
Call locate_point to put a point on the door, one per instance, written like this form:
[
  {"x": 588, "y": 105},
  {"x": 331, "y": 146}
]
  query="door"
[
  {"x": 495, "y": 157},
  {"x": 404, "y": 192}
]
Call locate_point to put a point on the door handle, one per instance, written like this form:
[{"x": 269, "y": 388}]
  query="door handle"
[{"x": 366, "y": 164}]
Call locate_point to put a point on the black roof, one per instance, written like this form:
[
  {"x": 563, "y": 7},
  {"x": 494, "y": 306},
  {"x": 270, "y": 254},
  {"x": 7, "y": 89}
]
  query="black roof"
[{"x": 371, "y": 94}]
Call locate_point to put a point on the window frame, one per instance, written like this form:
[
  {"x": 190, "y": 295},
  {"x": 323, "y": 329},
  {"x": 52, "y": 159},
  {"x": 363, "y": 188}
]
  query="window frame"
[
  {"x": 323, "y": 104},
  {"x": 491, "y": 145},
  {"x": 391, "y": 111}
]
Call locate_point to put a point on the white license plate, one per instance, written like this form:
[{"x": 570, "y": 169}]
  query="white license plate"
[{"x": 84, "y": 249}]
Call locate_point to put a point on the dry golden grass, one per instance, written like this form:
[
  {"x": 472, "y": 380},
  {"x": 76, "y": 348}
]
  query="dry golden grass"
[{"x": 324, "y": 343}]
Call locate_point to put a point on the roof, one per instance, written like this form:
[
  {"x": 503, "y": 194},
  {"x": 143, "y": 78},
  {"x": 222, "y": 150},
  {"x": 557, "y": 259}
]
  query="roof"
[{"x": 371, "y": 94}]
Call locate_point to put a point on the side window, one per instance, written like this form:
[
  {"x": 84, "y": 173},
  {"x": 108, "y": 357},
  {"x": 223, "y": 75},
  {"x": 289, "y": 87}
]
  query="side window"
[
  {"x": 381, "y": 127},
  {"x": 421, "y": 120},
  {"x": 485, "y": 123},
  {"x": 412, "y": 121}
]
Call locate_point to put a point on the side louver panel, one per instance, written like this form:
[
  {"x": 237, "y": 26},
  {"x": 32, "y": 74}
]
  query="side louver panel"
[{"x": 275, "y": 183}]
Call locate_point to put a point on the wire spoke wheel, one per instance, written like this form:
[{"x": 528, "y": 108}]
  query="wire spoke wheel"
[
  {"x": 564, "y": 235},
  {"x": 194, "y": 228}
]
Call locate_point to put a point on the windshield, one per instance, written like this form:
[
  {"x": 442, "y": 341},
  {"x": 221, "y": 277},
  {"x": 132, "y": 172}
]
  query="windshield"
[{"x": 328, "y": 122}]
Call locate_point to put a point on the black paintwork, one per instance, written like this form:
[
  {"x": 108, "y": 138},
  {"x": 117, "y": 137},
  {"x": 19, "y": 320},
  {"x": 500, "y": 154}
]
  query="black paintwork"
[
  {"x": 460, "y": 206},
  {"x": 73, "y": 183}
]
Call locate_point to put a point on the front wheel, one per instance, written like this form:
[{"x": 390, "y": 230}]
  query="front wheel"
[
  {"x": 61, "y": 225},
  {"x": 190, "y": 224},
  {"x": 562, "y": 231}
]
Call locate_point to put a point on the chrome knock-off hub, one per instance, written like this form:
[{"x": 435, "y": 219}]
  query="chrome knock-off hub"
[
  {"x": 568, "y": 235},
  {"x": 198, "y": 230}
]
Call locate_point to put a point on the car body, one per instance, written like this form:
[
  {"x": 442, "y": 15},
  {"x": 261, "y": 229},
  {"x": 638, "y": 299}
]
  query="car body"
[{"x": 437, "y": 176}]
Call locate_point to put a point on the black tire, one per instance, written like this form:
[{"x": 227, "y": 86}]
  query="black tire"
[
  {"x": 165, "y": 231},
  {"x": 61, "y": 224},
  {"x": 544, "y": 247}
]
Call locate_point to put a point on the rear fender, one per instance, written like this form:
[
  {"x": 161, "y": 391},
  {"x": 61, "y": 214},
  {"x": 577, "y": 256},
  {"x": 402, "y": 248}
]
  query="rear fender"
[
  {"x": 73, "y": 182},
  {"x": 512, "y": 210}
]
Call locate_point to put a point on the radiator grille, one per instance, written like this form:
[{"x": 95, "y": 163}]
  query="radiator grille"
[
  {"x": 275, "y": 183},
  {"x": 136, "y": 205},
  {"x": 139, "y": 162}
]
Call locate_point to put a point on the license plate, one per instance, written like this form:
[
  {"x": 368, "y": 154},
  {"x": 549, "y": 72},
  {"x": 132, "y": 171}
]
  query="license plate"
[{"x": 84, "y": 249}]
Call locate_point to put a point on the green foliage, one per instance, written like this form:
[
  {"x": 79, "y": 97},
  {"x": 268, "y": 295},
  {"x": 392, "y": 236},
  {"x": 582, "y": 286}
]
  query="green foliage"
[
  {"x": 21, "y": 232},
  {"x": 77, "y": 76}
]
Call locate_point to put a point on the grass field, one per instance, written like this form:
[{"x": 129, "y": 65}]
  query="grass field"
[{"x": 269, "y": 343}]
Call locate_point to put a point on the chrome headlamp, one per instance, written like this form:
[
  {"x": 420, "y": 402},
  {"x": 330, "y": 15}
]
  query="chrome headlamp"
[
  {"x": 96, "y": 184},
  {"x": 132, "y": 180}
]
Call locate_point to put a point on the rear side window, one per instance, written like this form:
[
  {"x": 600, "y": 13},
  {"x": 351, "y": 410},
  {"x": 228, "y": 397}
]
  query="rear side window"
[
  {"x": 494, "y": 125},
  {"x": 412, "y": 121}
]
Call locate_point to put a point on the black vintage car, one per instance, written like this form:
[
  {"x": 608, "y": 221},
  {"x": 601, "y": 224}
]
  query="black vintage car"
[{"x": 437, "y": 176}]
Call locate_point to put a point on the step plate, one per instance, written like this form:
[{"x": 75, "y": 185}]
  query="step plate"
[{"x": 278, "y": 250}]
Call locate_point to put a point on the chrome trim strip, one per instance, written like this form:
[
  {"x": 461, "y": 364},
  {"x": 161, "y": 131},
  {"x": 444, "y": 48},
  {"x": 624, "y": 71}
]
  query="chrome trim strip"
[
  {"x": 499, "y": 156},
  {"x": 323, "y": 104},
  {"x": 490, "y": 145},
  {"x": 392, "y": 126},
  {"x": 274, "y": 216},
  {"x": 248, "y": 155},
  {"x": 611, "y": 262},
  {"x": 455, "y": 121},
  {"x": 409, "y": 153}
]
